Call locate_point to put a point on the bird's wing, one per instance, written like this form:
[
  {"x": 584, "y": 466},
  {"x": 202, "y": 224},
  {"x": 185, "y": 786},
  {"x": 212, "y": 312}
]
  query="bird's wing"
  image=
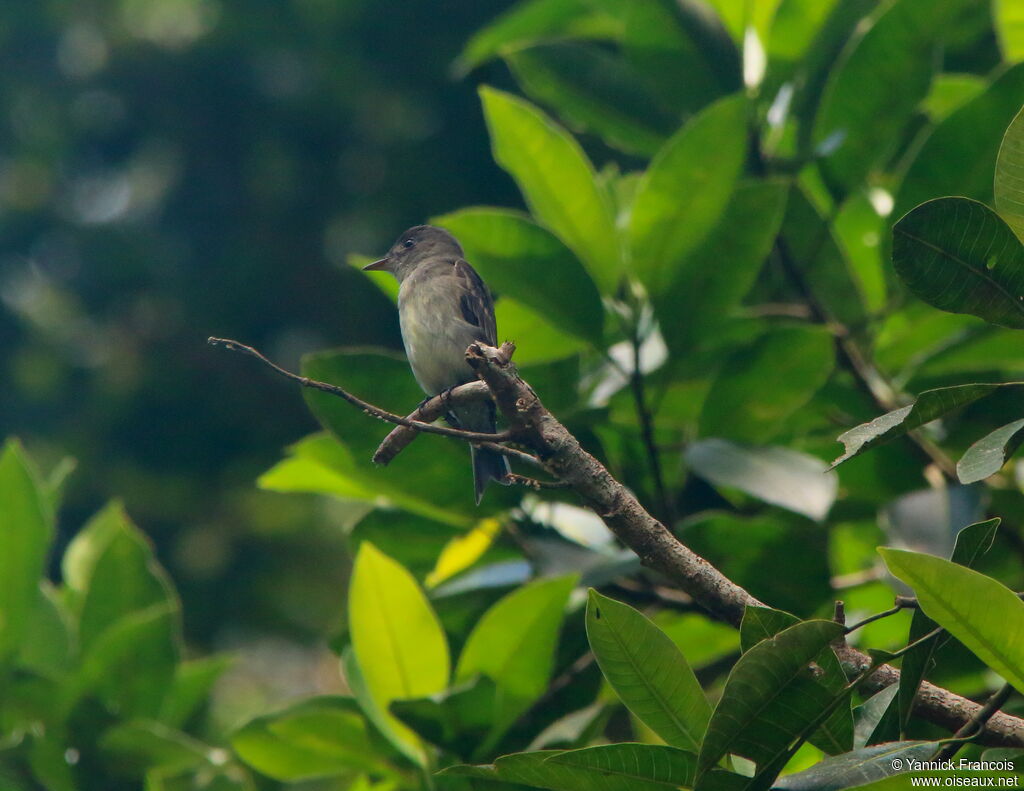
[{"x": 475, "y": 302}]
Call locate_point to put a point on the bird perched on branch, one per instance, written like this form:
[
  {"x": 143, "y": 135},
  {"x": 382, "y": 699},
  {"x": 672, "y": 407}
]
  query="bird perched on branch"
[{"x": 443, "y": 307}]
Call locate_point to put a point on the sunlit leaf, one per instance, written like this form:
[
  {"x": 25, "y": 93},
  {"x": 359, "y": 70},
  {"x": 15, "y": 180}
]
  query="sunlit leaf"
[
  {"x": 958, "y": 255},
  {"x": 463, "y": 551},
  {"x": 971, "y": 543},
  {"x": 594, "y": 91},
  {"x": 929, "y": 405},
  {"x": 533, "y": 21},
  {"x": 1009, "y": 22},
  {"x": 25, "y": 534},
  {"x": 557, "y": 181},
  {"x": 396, "y": 637},
  {"x": 783, "y": 477},
  {"x": 648, "y": 672},
  {"x": 320, "y": 737},
  {"x": 515, "y": 257},
  {"x": 685, "y": 190},
  {"x": 980, "y": 612}
]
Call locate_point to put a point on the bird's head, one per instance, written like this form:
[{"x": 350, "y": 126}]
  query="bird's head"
[{"x": 418, "y": 244}]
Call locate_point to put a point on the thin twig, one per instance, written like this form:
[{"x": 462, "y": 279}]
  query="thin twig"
[
  {"x": 901, "y": 604},
  {"x": 368, "y": 408},
  {"x": 533, "y": 483},
  {"x": 976, "y": 725}
]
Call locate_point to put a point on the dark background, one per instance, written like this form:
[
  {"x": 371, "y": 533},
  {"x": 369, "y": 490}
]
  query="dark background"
[{"x": 174, "y": 169}]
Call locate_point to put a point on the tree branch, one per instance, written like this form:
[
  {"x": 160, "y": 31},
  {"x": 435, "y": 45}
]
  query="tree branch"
[
  {"x": 367, "y": 407},
  {"x": 561, "y": 455}
]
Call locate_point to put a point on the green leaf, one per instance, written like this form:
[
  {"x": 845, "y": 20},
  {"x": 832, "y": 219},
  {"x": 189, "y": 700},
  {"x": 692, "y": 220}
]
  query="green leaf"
[
  {"x": 782, "y": 477},
  {"x": 594, "y": 91},
  {"x": 711, "y": 281},
  {"x": 124, "y": 577},
  {"x": 134, "y": 746},
  {"x": 897, "y": 52},
  {"x": 1009, "y": 23},
  {"x": 971, "y": 544},
  {"x": 980, "y": 612},
  {"x": 514, "y": 257},
  {"x": 627, "y": 766},
  {"x": 958, "y": 157},
  {"x": 836, "y": 733},
  {"x": 513, "y": 644},
  {"x": 958, "y": 255},
  {"x": 759, "y": 387},
  {"x": 858, "y": 767},
  {"x": 48, "y": 647},
  {"x": 876, "y": 716},
  {"x": 533, "y": 21},
  {"x": 320, "y": 737},
  {"x": 770, "y": 697},
  {"x": 458, "y": 720},
  {"x": 130, "y": 665},
  {"x": 190, "y": 689},
  {"x": 463, "y": 551},
  {"x": 25, "y": 535},
  {"x": 987, "y": 456},
  {"x": 396, "y": 637},
  {"x": 1009, "y": 179},
  {"x": 557, "y": 181},
  {"x": 666, "y": 39},
  {"x": 647, "y": 671},
  {"x": 685, "y": 191},
  {"x": 929, "y": 405}
]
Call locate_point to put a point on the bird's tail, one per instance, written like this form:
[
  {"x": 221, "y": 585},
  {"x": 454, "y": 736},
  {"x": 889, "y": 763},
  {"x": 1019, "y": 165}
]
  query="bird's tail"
[{"x": 488, "y": 465}]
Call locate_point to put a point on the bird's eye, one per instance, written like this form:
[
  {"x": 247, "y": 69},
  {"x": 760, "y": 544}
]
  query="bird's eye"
[{"x": 408, "y": 243}]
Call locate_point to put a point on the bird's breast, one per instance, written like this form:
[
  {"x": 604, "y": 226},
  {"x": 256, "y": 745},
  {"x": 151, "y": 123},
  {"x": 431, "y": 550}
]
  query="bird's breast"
[{"x": 434, "y": 337}]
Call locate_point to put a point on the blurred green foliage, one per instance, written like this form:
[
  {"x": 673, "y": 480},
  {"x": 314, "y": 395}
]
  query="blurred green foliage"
[{"x": 731, "y": 234}]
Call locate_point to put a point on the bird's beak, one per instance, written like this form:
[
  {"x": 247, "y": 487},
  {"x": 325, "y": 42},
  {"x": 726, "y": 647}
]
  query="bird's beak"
[{"x": 377, "y": 266}]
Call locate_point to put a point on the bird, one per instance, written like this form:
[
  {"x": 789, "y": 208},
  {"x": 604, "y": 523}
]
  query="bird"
[{"x": 443, "y": 307}]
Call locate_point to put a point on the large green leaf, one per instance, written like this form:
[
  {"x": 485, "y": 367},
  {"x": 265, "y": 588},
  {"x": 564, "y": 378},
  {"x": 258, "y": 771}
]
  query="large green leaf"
[
  {"x": 958, "y": 255},
  {"x": 320, "y": 737},
  {"x": 759, "y": 387},
  {"x": 836, "y": 734},
  {"x": 594, "y": 91},
  {"x": 513, "y": 644},
  {"x": 1009, "y": 19},
  {"x": 711, "y": 281},
  {"x": 124, "y": 576},
  {"x": 987, "y": 456},
  {"x": 980, "y": 612},
  {"x": 929, "y": 405},
  {"x": 400, "y": 646},
  {"x": 1009, "y": 179},
  {"x": 557, "y": 181},
  {"x": 25, "y": 534},
  {"x": 971, "y": 543},
  {"x": 522, "y": 260},
  {"x": 858, "y": 767},
  {"x": 770, "y": 697},
  {"x": 528, "y": 23},
  {"x": 896, "y": 52},
  {"x": 958, "y": 157},
  {"x": 133, "y": 746},
  {"x": 787, "y": 478},
  {"x": 648, "y": 672},
  {"x": 684, "y": 192}
]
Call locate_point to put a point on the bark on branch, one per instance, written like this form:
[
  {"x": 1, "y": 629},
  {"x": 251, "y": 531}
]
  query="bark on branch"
[{"x": 561, "y": 455}]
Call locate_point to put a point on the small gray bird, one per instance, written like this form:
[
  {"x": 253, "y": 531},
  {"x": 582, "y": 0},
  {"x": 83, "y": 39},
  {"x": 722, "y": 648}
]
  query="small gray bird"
[{"x": 443, "y": 307}]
